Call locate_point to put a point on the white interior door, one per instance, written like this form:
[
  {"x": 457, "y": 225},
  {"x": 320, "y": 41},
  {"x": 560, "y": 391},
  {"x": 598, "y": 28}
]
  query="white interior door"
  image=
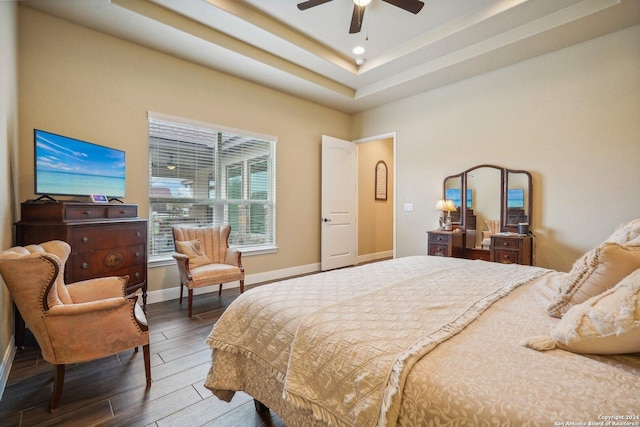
[{"x": 339, "y": 233}]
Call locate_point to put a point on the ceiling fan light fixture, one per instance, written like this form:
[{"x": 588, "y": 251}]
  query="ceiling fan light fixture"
[
  {"x": 361, "y": 2},
  {"x": 360, "y": 61},
  {"x": 358, "y": 50}
]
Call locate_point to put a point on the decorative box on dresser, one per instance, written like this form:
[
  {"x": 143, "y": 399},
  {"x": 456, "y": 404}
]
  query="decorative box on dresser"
[
  {"x": 512, "y": 249},
  {"x": 445, "y": 243},
  {"x": 106, "y": 239}
]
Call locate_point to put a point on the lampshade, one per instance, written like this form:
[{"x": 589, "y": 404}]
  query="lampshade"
[
  {"x": 445, "y": 205},
  {"x": 362, "y": 2},
  {"x": 449, "y": 206}
]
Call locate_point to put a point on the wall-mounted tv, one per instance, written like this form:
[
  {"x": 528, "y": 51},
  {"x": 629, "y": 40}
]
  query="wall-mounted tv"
[
  {"x": 70, "y": 167},
  {"x": 455, "y": 193}
]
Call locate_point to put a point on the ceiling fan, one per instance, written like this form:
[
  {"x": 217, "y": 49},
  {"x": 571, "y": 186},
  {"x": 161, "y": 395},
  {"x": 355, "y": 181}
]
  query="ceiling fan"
[{"x": 413, "y": 6}]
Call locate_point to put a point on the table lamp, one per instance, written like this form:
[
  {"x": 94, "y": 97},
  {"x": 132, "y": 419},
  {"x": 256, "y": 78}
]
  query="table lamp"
[{"x": 446, "y": 205}]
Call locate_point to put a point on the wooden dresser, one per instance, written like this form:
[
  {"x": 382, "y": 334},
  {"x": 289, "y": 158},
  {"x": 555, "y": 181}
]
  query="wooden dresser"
[
  {"x": 512, "y": 249},
  {"x": 106, "y": 239},
  {"x": 445, "y": 243}
]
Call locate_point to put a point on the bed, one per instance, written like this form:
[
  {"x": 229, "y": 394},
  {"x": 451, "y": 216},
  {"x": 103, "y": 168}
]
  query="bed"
[{"x": 419, "y": 340}]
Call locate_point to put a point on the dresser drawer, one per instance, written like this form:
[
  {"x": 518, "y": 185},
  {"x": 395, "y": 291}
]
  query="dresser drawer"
[
  {"x": 129, "y": 261},
  {"x": 507, "y": 257},
  {"x": 122, "y": 211},
  {"x": 436, "y": 238},
  {"x": 72, "y": 213},
  {"x": 90, "y": 238},
  {"x": 506, "y": 243},
  {"x": 438, "y": 250}
]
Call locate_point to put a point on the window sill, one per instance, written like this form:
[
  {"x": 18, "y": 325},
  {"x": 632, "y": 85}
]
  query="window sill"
[{"x": 167, "y": 260}]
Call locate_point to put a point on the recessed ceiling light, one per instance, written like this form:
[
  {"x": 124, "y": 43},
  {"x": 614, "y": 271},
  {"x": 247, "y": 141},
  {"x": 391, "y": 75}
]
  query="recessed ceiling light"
[{"x": 358, "y": 50}]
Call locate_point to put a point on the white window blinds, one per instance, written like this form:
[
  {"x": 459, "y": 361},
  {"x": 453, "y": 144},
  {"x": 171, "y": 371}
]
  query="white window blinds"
[{"x": 206, "y": 174}]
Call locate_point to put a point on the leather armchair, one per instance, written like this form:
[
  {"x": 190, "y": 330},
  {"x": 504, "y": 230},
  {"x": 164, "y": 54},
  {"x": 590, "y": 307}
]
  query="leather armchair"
[
  {"x": 83, "y": 321},
  {"x": 204, "y": 258}
]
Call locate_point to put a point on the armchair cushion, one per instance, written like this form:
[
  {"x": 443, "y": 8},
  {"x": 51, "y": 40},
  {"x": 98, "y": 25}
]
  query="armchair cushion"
[
  {"x": 193, "y": 250},
  {"x": 96, "y": 289},
  {"x": 214, "y": 273}
]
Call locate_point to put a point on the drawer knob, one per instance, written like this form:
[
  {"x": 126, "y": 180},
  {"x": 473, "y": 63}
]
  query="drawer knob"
[
  {"x": 505, "y": 243},
  {"x": 123, "y": 211},
  {"x": 137, "y": 275},
  {"x": 84, "y": 265},
  {"x": 138, "y": 234},
  {"x": 87, "y": 212},
  {"x": 85, "y": 239},
  {"x": 137, "y": 254}
]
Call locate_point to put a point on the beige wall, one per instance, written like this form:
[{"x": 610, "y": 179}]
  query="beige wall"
[
  {"x": 8, "y": 138},
  {"x": 375, "y": 217},
  {"x": 570, "y": 117},
  {"x": 98, "y": 88}
]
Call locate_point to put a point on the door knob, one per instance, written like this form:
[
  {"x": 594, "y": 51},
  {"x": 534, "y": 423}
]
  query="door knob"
[{"x": 326, "y": 220}]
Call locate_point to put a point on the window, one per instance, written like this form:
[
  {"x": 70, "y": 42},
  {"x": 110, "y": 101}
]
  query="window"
[{"x": 206, "y": 174}]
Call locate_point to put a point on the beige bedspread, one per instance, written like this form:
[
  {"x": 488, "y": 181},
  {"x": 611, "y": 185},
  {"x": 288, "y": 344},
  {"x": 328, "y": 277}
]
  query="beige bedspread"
[{"x": 343, "y": 342}]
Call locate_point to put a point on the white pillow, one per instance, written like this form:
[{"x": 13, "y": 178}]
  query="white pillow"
[
  {"x": 596, "y": 271},
  {"x": 626, "y": 234},
  {"x": 608, "y": 323}
]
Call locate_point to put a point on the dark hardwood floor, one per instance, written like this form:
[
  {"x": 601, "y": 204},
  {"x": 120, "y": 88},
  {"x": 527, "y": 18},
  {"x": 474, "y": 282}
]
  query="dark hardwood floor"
[{"x": 111, "y": 391}]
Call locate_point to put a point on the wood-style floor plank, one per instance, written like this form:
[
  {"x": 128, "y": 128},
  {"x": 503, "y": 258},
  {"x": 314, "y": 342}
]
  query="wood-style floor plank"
[{"x": 112, "y": 392}]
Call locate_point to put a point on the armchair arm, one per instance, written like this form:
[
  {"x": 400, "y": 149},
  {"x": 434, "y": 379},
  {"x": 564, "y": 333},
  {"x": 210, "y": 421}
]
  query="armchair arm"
[
  {"x": 234, "y": 257},
  {"x": 98, "y": 289},
  {"x": 86, "y": 307},
  {"x": 183, "y": 267}
]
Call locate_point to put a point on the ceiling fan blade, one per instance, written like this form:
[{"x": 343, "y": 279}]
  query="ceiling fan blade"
[
  {"x": 356, "y": 19},
  {"x": 311, "y": 3},
  {"x": 413, "y": 6}
]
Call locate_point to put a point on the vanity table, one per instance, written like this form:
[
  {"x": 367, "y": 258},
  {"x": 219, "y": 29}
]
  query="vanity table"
[{"x": 481, "y": 193}]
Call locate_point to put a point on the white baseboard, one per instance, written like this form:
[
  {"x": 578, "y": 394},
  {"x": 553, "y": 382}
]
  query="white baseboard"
[
  {"x": 174, "y": 293},
  {"x": 7, "y": 362},
  {"x": 374, "y": 257}
]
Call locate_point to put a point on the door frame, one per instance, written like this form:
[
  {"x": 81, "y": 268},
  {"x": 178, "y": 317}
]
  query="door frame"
[{"x": 391, "y": 135}]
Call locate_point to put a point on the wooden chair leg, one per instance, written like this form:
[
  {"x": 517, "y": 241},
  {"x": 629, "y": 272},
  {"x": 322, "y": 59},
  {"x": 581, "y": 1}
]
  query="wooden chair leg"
[
  {"x": 190, "y": 302},
  {"x": 242, "y": 286},
  {"x": 147, "y": 363},
  {"x": 181, "y": 288},
  {"x": 57, "y": 388},
  {"x": 220, "y": 290},
  {"x": 260, "y": 407}
]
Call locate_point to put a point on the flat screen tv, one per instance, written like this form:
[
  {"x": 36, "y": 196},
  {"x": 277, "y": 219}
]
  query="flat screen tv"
[{"x": 70, "y": 167}]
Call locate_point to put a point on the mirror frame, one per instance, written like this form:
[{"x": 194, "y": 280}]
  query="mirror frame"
[
  {"x": 505, "y": 225},
  {"x": 504, "y": 186},
  {"x": 455, "y": 224}
]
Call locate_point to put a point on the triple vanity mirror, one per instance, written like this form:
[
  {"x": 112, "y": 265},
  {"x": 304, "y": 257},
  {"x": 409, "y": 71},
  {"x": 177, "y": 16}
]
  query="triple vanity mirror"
[{"x": 489, "y": 193}]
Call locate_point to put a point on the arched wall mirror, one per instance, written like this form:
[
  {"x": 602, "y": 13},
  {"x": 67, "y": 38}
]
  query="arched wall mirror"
[{"x": 489, "y": 192}]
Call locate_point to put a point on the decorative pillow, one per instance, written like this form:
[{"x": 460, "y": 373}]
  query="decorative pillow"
[
  {"x": 608, "y": 323},
  {"x": 191, "y": 248},
  {"x": 595, "y": 272},
  {"x": 627, "y": 234}
]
